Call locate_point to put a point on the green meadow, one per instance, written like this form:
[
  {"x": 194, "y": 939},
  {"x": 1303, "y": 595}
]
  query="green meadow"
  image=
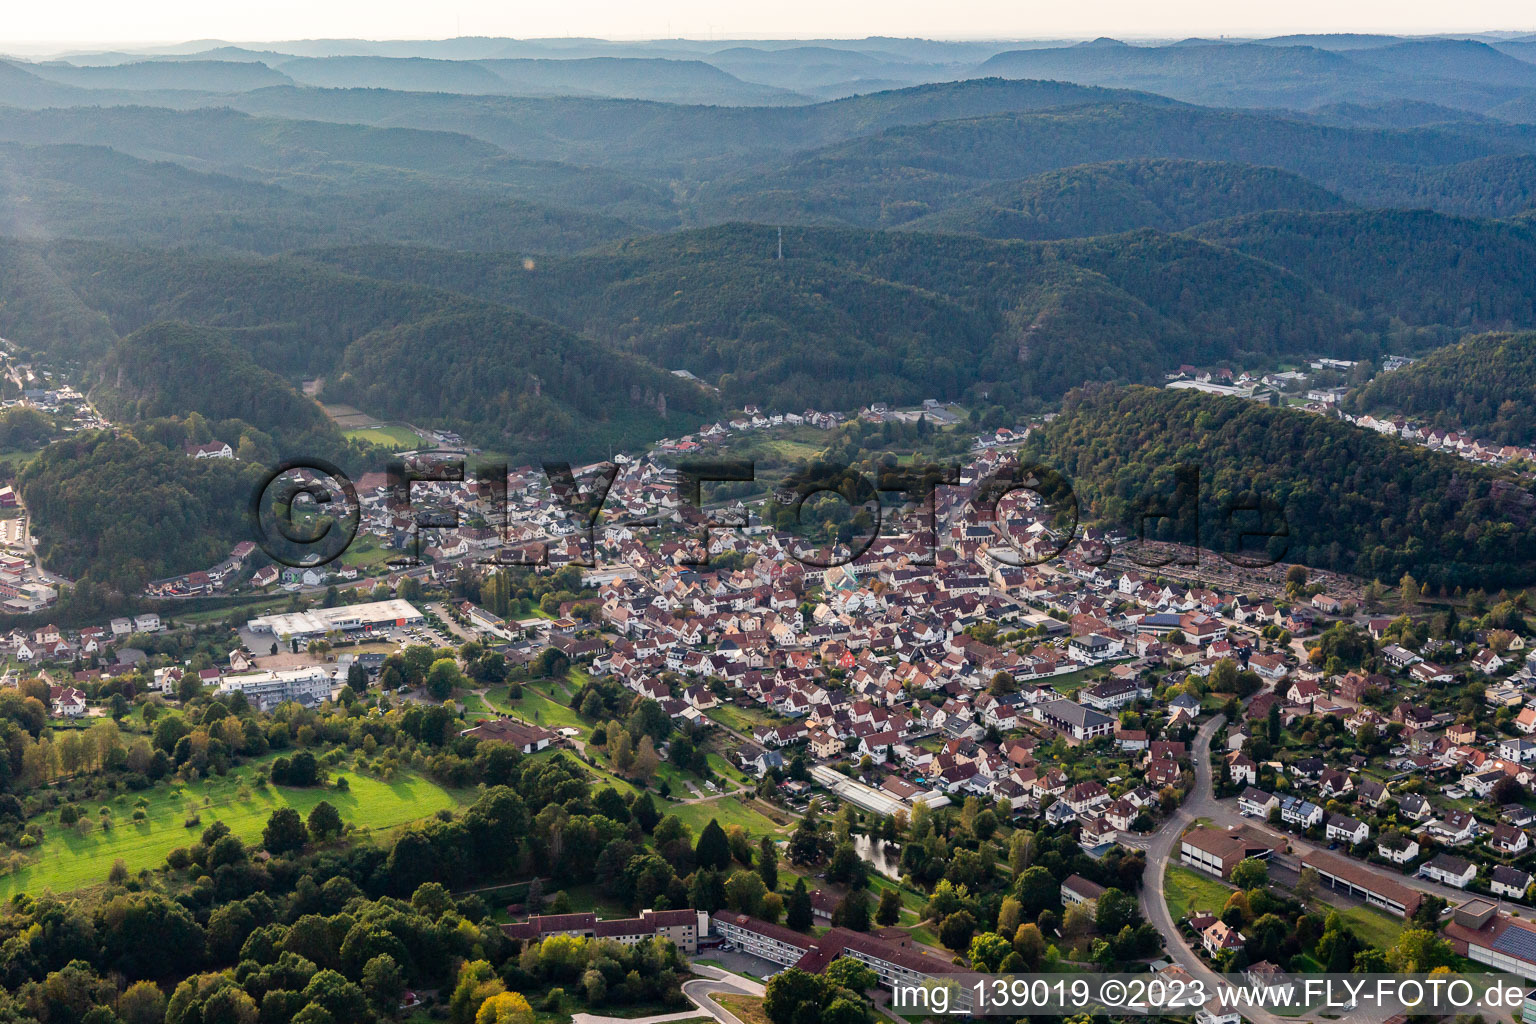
[{"x": 67, "y": 860}]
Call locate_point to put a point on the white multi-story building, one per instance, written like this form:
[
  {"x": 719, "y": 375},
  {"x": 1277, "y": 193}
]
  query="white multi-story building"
[{"x": 265, "y": 690}]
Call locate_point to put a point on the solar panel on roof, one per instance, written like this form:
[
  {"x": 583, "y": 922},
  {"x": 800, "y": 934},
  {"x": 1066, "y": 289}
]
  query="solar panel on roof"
[{"x": 1517, "y": 942}]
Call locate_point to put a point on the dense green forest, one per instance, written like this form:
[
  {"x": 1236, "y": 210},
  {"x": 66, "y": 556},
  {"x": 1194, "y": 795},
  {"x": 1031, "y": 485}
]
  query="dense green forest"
[
  {"x": 1106, "y": 199},
  {"x": 534, "y": 388},
  {"x": 76, "y": 191},
  {"x": 901, "y": 174},
  {"x": 398, "y": 349},
  {"x": 125, "y": 511},
  {"x": 904, "y": 316},
  {"x": 1352, "y": 500},
  {"x": 1481, "y": 386},
  {"x": 1420, "y": 267},
  {"x": 171, "y": 369}
]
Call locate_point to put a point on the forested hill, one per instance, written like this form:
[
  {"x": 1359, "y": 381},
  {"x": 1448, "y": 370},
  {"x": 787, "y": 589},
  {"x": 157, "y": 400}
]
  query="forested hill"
[
  {"x": 1481, "y": 386},
  {"x": 171, "y": 369},
  {"x": 1352, "y": 500},
  {"x": 1422, "y": 267},
  {"x": 674, "y": 138},
  {"x": 929, "y": 315},
  {"x": 906, "y": 172},
  {"x": 519, "y": 384},
  {"x": 124, "y": 511},
  {"x": 93, "y": 192},
  {"x": 1108, "y": 198},
  {"x": 849, "y": 317}
]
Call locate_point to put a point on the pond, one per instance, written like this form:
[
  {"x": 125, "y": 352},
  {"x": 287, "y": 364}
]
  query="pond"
[{"x": 883, "y": 856}]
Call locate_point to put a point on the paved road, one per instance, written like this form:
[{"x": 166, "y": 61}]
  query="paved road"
[
  {"x": 702, "y": 990},
  {"x": 1161, "y": 847}
]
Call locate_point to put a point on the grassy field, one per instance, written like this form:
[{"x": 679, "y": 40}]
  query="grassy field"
[
  {"x": 728, "y": 811},
  {"x": 536, "y": 707},
  {"x": 390, "y": 436},
  {"x": 67, "y": 860},
  {"x": 1188, "y": 891},
  {"x": 366, "y": 552},
  {"x": 1372, "y": 926},
  {"x": 742, "y": 719},
  {"x": 747, "y": 1009}
]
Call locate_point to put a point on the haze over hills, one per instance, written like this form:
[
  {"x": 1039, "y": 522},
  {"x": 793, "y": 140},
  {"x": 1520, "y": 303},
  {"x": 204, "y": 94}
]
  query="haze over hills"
[
  {"x": 1105, "y": 199},
  {"x": 538, "y": 234},
  {"x": 1268, "y": 304}
]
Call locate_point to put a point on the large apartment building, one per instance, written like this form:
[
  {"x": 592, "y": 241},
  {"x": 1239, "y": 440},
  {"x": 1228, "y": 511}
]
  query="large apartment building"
[
  {"x": 682, "y": 927},
  {"x": 309, "y": 686},
  {"x": 894, "y": 963}
]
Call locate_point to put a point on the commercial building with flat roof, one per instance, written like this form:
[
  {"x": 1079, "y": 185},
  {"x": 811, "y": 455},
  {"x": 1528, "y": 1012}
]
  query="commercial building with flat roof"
[
  {"x": 1217, "y": 851},
  {"x": 1478, "y": 931},
  {"x": 352, "y": 618}
]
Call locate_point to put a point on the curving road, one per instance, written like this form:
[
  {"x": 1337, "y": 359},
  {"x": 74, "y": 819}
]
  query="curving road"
[{"x": 1160, "y": 849}]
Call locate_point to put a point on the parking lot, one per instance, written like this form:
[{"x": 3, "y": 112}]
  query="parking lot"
[
  {"x": 741, "y": 963},
  {"x": 422, "y": 635}
]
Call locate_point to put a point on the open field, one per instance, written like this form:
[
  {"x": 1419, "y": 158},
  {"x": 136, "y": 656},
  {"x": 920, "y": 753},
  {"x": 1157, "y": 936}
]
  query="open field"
[
  {"x": 748, "y": 1009},
  {"x": 67, "y": 860},
  {"x": 741, "y": 719},
  {"x": 1373, "y": 926},
  {"x": 1190, "y": 890},
  {"x": 389, "y": 436},
  {"x": 536, "y": 707},
  {"x": 728, "y": 810}
]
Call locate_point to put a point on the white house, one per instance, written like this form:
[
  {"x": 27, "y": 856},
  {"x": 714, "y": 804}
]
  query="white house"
[
  {"x": 1345, "y": 829},
  {"x": 1448, "y": 870}
]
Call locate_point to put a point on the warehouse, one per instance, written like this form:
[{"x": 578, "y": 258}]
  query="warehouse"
[{"x": 345, "y": 619}]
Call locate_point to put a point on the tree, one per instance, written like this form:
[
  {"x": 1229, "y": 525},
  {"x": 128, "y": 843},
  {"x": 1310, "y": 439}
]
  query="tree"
[
  {"x": 357, "y": 677},
  {"x": 443, "y": 678},
  {"x": 284, "y": 832},
  {"x": 847, "y": 866},
  {"x": 1250, "y": 874},
  {"x": 800, "y": 914},
  {"x": 1307, "y": 883},
  {"x": 807, "y": 844},
  {"x": 846, "y": 972},
  {"x": 342, "y": 999},
  {"x": 1029, "y": 943},
  {"x": 142, "y": 1003},
  {"x": 987, "y": 952},
  {"x": 889, "y": 911},
  {"x": 1419, "y": 951},
  {"x": 788, "y": 991},
  {"x": 506, "y": 1008},
  {"x": 1037, "y": 889},
  {"x": 324, "y": 821},
  {"x": 1116, "y": 910},
  {"x": 853, "y": 912},
  {"x": 645, "y": 812},
  {"x": 768, "y": 863},
  {"x": 476, "y": 983},
  {"x": 955, "y": 931},
  {"x": 714, "y": 849},
  {"x": 744, "y": 891}
]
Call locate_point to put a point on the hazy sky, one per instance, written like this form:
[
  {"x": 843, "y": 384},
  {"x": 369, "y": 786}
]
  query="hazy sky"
[{"x": 79, "y": 22}]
